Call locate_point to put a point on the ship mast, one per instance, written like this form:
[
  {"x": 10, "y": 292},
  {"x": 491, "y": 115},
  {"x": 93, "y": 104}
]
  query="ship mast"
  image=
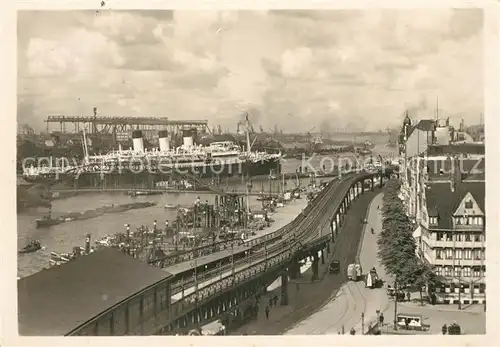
[
  {"x": 247, "y": 132},
  {"x": 85, "y": 149}
]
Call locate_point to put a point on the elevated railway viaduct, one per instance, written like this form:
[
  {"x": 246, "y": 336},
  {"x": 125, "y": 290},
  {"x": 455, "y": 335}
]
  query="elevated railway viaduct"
[{"x": 206, "y": 283}]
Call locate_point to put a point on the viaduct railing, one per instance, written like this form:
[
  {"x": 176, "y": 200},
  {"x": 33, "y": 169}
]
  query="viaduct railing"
[{"x": 277, "y": 256}]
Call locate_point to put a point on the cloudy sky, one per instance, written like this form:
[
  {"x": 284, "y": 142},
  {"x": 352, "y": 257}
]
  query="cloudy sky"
[{"x": 358, "y": 70}]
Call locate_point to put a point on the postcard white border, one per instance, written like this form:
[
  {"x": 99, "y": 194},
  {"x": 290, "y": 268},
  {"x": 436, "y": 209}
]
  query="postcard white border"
[{"x": 8, "y": 260}]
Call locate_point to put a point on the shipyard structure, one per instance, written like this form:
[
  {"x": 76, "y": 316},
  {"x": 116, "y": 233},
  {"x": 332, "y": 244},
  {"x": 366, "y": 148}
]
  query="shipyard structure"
[{"x": 139, "y": 167}]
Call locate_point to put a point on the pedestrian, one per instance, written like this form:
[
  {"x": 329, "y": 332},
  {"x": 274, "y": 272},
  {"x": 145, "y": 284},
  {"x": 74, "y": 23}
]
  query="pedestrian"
[
  {"x": 444, "y": 329},
  {"x": 352, "y": 331},
  {"x": 267, "y": 312},
  {"x": 408, "y": 296},
  {"x": 373, "y": 231},
  {"x": 407, "y": 323},
  {"x": 270, "y": 302},
  {"x": 381, "y": 319},
  {"x": 275, "y": 299}
]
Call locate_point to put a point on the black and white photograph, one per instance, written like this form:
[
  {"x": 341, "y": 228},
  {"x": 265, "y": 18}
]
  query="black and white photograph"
[{"x": 251, "y": 172}]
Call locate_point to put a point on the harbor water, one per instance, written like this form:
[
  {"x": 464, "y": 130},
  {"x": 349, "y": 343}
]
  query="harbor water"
[{"x": 63, "y": 237}]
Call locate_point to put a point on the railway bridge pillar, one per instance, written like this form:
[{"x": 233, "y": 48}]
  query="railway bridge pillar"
[
  {"x": 294, "y": 269},
  {"x": 314, "y": 266},
  {"x": 284, "y": 289}
]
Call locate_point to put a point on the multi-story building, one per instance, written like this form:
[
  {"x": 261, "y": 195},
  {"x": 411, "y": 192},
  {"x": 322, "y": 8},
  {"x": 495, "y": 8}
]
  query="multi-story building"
[
  {"x": 451, "y": 228},
  {"x": 443, "y": 190}
]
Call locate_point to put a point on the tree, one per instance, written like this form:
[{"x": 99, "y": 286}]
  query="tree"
[
  {"x": 396, "y": 243},
  {"x": 420, "y": 274}
]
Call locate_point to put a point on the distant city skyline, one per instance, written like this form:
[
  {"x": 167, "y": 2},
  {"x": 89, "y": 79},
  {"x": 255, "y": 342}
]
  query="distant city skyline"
[{"x": 358, "y": 70}]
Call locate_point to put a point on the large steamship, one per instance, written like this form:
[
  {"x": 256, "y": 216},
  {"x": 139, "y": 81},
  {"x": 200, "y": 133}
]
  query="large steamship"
[{"x": 138, "y": 167}]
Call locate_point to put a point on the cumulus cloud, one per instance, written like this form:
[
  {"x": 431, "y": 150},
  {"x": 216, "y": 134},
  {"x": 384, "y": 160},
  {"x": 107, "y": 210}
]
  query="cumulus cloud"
[{"x": 356, "y": 70}]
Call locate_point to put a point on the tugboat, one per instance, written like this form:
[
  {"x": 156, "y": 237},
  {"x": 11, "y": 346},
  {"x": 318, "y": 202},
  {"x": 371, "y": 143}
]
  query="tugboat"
[
  {"x": 134, "y": 193},
  {"x": 31, "y": 247},
  {"x": 48, "y": 221}
]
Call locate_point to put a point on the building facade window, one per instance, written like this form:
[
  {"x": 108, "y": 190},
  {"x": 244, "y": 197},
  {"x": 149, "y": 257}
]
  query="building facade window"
[
  {"x": 459, "y": 237},
  {"x": 467, "y": 254},
  {"x": 466, "y": 272},
  {"x": 439, "y": 270},
  {"x": 476, "y": 271},
  {"x": 469, "y": 205},
  {"x": 433, "y": 220},
  {"x": 477, "y": 254},
  {"x": 440, "y": 236},
  {"x": 458, "y": 254},
  {"x": 477, "y": 237},
  {"x": 449, "y": 253},
  {"x": 458, "y": 271},
  {"x": 467, "y": 237},
  {"x": 447, "y": 271},
  {"x": 449, "y": 237},
  {"x": 439, "y": 254}
]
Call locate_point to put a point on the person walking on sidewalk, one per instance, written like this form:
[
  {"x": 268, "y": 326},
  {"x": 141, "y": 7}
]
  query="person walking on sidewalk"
[
  {"x": 408, "y": 296},
  {"x": 444, "y": 329},
  {"x": 267, "y": 312},
  {"x": 381, "y": 319}
]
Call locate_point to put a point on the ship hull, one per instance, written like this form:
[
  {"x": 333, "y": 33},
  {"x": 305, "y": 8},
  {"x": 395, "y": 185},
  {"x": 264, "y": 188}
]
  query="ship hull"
[{"x": 149, "y": 176}]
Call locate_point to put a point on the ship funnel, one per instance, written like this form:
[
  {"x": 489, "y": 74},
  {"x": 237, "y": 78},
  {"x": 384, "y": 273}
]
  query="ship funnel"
[
  {"x": 164, "y": 141},
  {"x": 137, "y": 141},
  {"x": 87, "y": 244},
  {"x": 188, "y": 141}
]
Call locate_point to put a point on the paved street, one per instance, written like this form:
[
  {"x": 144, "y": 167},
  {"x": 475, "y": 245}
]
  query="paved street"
[
  {"x": 353, "y": 299},
  {"x": 306, "y": 298}
]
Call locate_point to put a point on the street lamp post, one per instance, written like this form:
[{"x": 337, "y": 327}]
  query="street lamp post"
[
  {"x": 195, "y": 265},
  {"x": 396, "y": 304},
  {"x": 362, "y": 323},
  {"x": 127, "y": 228},
  {"x": 459, "y": 286},
  {"x": 232, "y": 261},
  {"x": 265, "y": 256}
]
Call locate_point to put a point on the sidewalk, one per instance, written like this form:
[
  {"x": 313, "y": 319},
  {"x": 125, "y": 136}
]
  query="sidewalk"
[{"x": 353, "y": 299}]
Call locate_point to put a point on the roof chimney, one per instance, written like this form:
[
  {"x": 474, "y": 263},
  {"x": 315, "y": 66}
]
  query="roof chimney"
[{"x": 455, "y": 173}]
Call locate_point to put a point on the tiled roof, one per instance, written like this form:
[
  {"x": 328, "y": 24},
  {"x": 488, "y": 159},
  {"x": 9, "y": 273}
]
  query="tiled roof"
[
  {"x": 55, "y": 301},
  {"x": 426, "y": 125},
  {"x": 441, "y": 200},
  {"x": 469, "y": 167},
  {"x": 463, "y": 148}
]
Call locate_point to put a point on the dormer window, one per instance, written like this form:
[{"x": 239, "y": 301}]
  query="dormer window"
[
  {"x": 468, "y": 204},
  {"x": 433, "y": 220}
]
